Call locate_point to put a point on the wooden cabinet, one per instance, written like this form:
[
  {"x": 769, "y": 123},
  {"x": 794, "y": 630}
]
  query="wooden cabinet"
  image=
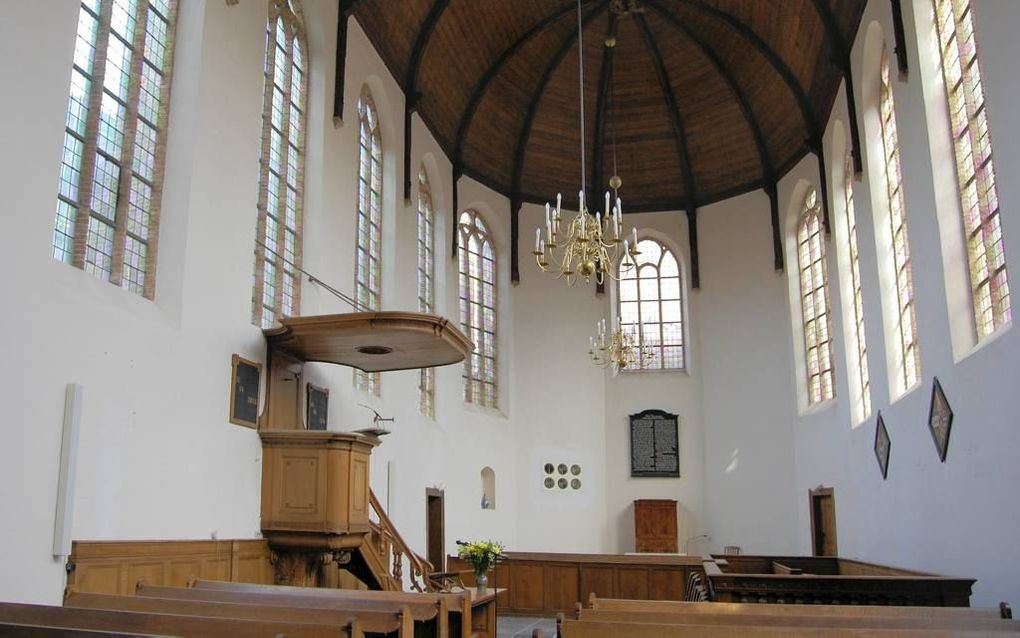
[{"x": 655, "y": 526}]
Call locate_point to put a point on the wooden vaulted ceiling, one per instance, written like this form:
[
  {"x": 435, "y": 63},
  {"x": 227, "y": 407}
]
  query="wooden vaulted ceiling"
[{"x": 710, "y": 98}]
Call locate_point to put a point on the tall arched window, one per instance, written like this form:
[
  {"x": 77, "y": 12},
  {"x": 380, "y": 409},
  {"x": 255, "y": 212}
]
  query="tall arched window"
[
  {"x": 975, "y": 170},
  {"x": 478, "y": 309},
  {"x": 814, "y": 301},
  {"x": 367, "y": 275},
  {"x": 862, "y": 398},
  {"x": 426, "y": 291},
  {"x": 909, "y": 358},
  {"x": 651, "y": 305},
  {"x": 277, "y": 289},
  {"x": 111, "y": 175}
]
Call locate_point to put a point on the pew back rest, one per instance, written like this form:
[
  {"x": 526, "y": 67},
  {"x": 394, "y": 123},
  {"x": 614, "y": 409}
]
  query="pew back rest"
[{"x": 600, "y": 629}]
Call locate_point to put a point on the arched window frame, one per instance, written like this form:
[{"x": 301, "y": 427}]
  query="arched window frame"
[
  {"x": 974, "y": 165},
  {"x": 115, "y": 128},
  {"x": 278, "y": 249},
  {"x": 368, "y": 250},
  {"x": 643, "y": 309},
  {"x": 426, "y": 284},
  {"x": 816, "y": 307},
  {"x": 859, "y": 349},
  {"x": 909, "y": 358},
  {"x": 478, "y": 316}
]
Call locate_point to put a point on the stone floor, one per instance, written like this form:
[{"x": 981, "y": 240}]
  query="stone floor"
[{"x": 521, "y": 627}]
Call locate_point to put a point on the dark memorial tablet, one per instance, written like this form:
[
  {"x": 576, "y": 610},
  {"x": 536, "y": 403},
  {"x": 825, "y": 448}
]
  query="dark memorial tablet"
[
  {"x": 654, "y": 444},
  {"x": 244, "y": 392},
  {"x": 318, "y": 408}
]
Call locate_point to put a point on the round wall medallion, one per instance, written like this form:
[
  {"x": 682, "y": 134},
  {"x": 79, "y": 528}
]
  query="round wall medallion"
[
  {"x": 549, "y": 482},
  {"x": 562, "y": 483},
  {"x": 549, "y": 468},
  {"x": 576, "y": 484},
  {"x": 374, "y": 350},
  {"x": 575, "y": 469},
  {"x": 562, "y": 468}
]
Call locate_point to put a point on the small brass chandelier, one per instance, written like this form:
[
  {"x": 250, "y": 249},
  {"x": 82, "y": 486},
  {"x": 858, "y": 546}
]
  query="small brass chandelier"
[
  {"x": 592, "y": 242},
  {"x": 618, "y": 350}
]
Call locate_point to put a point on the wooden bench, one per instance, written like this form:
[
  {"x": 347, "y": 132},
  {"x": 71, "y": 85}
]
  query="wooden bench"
[
  {"x": 613, "y": 604},
  {"x": 453, "y": 611},
  {"x": 124, "y": 623},
  {"x": 356, "y": 622},
  {"x": 606, "y": 629},
  {"x": 805, "y": 620},
  {"x": 17, "y": 630}
]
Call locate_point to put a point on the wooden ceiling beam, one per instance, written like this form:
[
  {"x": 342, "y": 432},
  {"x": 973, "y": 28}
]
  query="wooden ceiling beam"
[
  {"x": 529, "y": 119},
  {"x": 340, "y": 64},
  {"x": 605, "y": 81},
  {"x": 478, "y": 92},
  {"x": 773, "y": 58},
  {"x": 411, "y": 96},
  {"x": 675, "y": 118},
  {"x": 901, "y": 40}
]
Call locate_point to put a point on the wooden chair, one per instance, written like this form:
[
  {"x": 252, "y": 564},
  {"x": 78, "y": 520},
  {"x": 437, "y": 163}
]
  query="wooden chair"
[{"x": 732, "y": 550}]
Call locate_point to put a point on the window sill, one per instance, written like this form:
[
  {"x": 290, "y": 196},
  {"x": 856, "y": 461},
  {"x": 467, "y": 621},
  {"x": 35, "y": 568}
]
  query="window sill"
[
  {"x": 819, "y": 407},
  {"x": 912, "y": 389},
  {"x": 985, "y": 342},
  {"x": 632, "y": 371},
  {"x": 495, "y": 413}
]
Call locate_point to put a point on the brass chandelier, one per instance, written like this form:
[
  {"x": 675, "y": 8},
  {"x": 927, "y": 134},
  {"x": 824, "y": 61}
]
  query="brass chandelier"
[
  {"x": 592, "y": 242},
  {"x": 618, "y": 350}
]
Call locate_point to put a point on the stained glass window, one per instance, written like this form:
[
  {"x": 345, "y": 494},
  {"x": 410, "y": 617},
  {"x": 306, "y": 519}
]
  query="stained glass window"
[
  {"x": 860, "y": 350},
  {"x": 814, "y": 301},
  {"x": 367, "y": 275},
  {"x": 975, "y": 170},
  {"x": 906, "y": 316},
  {"x": 651, "y": 305},
  {"x": 426, "y": 279},
  {"x": 111, "y": 174},
  {"x": 277, "y": 289},
  {"x": 478, "y": 309}
]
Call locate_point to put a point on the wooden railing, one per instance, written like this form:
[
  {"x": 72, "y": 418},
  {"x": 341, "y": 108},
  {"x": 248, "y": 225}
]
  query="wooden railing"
[{"x": 391, "y": 551}]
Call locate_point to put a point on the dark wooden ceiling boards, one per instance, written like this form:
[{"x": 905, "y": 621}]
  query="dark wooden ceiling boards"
[{"x": 711, "y": 98}]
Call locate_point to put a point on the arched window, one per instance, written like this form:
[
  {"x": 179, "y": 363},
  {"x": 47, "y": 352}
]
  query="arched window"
[
  {"x": 909, "y": 358},
  {"x": 651, "y": 306},
  {"x": 367, "y": 275},
  {"x": 862, "y": 398},
  {"x": 814, "y": 301},
  {"x": 478, "y": 309},
  {"x": 111, "y": 175},
  {"x": 426, "y": 291},
  {"x": 277, "y": 289},
  {"x": 975, "y": 170}
]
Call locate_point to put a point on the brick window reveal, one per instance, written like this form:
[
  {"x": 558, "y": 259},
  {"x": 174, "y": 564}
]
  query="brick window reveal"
[
  {"x": 975, "y": 170},
  {"x": 860, "y": 350},
  {"x": 814, "y": 301},
  {"x": 277, "y": 289},
  {"x": 111, "y": 174}
]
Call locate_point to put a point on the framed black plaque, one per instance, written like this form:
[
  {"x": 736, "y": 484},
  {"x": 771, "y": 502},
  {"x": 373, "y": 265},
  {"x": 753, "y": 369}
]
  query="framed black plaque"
[
  {"x": 655, "y": 444},
  {"x": 940, "y": 419},
  {"x": 317, "y": 401},
  {"x": 882, "y": 446},
  {"x": 245, "y": 376}
]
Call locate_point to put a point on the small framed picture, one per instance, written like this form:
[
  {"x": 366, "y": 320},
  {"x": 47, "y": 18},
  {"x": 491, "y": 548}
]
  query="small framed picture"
[
  {"x": 882, "y": 446},
  {"x": 940, "y": 419},
  {"x": 317, "y": 407},
  {"x": 245, "y": 377}
]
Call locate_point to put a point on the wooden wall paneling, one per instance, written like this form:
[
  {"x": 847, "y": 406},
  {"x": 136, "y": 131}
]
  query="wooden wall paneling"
[
  {"x": 632, "y": 583},
  {"x": 597, "y": 580},
  {"x": 527, "y": 587},
  {"x": 500, "y": 579},
  {"x": 560, "y": 585},
  {"x": 666, "y": 583}
]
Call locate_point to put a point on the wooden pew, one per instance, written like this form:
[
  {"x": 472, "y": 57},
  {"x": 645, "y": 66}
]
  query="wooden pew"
[
  {"x": 16, "y": 630},
  {"x": 355, "y": 622},
  {"x": 600, "y": 629},
  {"x": 418, "y": 611},
  {"x": 136, "y": 623},
  {"x": 456, "y": 605},
  {"x": 805, "y": 620},
  {"x": 613, "y": 604}
]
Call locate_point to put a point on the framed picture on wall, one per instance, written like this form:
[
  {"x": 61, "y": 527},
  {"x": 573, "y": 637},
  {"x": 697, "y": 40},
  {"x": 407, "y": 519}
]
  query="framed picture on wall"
[
  {"x": 882, "y": 446},
  {"x": 655, "y": 444},
  {"x": 245, "y": 377},
  {"x": 317, "y": 407},
  {"x": 940, "y": 419}
]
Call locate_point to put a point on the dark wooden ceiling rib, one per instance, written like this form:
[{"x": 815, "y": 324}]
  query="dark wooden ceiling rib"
[
  {"x": 901, "y": 40},
  {"x": 411, "y": 83},
  {"x": 777, "y": 63},
  {"x": 483, "y": 84},
  {"x": 529, "y": 118},
  {"x": 598, "y": 181},
  {"x": 676, "y": 120},
  {"x": 340, "y": 66}
]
